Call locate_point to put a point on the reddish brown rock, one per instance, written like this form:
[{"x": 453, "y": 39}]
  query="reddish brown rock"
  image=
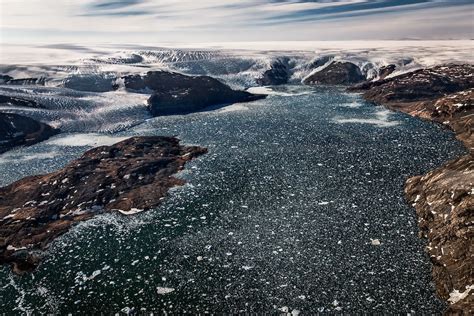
[
  {"x": 127, "y": 177},
  {"x": 444, "y": 202},
  {"x": 443, "y": 198}
]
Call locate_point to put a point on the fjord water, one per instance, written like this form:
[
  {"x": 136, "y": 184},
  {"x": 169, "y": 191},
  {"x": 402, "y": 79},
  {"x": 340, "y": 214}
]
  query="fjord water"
[{"x": 280, "y": 214}]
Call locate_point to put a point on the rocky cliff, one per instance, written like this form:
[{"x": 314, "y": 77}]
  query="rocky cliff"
[
  {"x": 443, "y": 198},
  {"x": 278, "y": 73}
]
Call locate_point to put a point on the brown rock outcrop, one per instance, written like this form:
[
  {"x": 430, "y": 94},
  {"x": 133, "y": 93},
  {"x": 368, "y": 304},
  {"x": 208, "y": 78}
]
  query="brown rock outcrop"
[
  {"x": 128, "y": 177},
  {"x": 336, "y": 73},
  {"x": 443, "y": 198},
  {"x": 175, "y": 93},
  {"x": 444, "y": 202}
]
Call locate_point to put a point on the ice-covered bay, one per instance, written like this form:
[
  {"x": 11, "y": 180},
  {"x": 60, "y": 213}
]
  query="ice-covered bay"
[{"x": 291, "y": 209}]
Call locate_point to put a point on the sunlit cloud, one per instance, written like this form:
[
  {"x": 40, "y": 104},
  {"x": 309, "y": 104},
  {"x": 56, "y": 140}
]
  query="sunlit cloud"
[{"x": 232, "y": 20}]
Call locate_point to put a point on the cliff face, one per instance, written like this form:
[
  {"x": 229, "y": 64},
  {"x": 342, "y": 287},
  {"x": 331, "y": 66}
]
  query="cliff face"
[
  {"x": 128, "y": 177},
  {"x": 443, "y": 198},
  {"x": 444, "y": 202},
  {"x": 279, "y": 73}
]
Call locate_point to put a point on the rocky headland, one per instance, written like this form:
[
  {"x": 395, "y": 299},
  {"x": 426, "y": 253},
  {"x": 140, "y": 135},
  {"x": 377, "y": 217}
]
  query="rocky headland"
[
  {"x": 444, "y": 197},
  {"x": 336, "y": 73},
  {"x": 174, "y": 93},
  {"x": 278, "y": 73},
  {"x": 17, "y": 130},
  {"x": 128, "y": 177}
]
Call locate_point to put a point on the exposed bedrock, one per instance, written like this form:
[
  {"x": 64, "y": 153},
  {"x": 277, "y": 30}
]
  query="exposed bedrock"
[
  {"x": 443, "y": 198},
  {"x": 443, "y": 94},
  {"x": 385, "y": 71},
  {"x": 17, "y": 130},
  {"x": 279, "y": 73},
  {"x": 91, "y": 82},
  {"x": 5, "y": 79},
  {"x": 127, "y": 177},
  {"x": 336, "y": 73},
  {"x": 174, "y": 93},
  {"x": 444, "y": 202}
]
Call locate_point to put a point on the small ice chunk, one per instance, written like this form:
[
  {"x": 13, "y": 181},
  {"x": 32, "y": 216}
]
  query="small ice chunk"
[
  {"x": 284, "y": 309},
  {"x": 455, "y": 296},
  {"x": 94, "y": 274},
  {"x": 375, "y": 242},
  {"x": 131, "y": 212},
  {"x": 164, "y": 290}
]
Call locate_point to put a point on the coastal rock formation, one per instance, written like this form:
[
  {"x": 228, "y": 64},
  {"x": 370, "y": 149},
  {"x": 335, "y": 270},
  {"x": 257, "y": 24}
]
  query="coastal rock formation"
[
  {"x": 420, "y": 85},
  {"x": 386, "y": 71},
  {"x": 90, "y": 82},
  {"x": 128, "y": 177},
  {"x": 276, "y": 75},
  {"x": 443, "y": 198},
  {"x": 18, "y": 130},
  {"x": 174, "y": 93},
  {"x": 337, "y": 73},
  {"x": 444, "y": 202},
  {"x": 443, "y": 94}
]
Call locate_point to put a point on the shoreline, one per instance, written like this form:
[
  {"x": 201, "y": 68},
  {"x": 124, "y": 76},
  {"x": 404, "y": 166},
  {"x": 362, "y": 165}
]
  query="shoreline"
[
  {"x": 35, "y": 210},
  {"x": 443, "y": 198}
]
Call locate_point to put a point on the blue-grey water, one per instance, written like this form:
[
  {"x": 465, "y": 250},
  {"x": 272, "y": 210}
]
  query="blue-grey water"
[{"x": 280, "y": 215}]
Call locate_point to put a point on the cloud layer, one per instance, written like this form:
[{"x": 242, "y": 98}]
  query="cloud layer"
[{"x": 155, "y": 21}]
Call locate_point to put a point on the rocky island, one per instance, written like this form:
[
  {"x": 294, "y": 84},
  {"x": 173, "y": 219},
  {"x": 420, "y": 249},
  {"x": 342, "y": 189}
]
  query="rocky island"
[
  {"x": 128, "y": 177},
  {"x": 174, "y": 93},
  {"x": 336, "y": 73},
  {"x": 443, "y": 198}
]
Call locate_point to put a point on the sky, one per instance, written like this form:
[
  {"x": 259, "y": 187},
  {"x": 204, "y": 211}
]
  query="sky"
[{"x": 154, "y": 21}]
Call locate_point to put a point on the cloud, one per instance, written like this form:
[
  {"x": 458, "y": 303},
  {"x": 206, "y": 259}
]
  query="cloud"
[{"x": 232, "y": 20}]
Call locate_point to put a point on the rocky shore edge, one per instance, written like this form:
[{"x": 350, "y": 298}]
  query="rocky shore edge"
[
  {"x": 444, "y": 197},
  {"x": 128, "y": 177}
]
